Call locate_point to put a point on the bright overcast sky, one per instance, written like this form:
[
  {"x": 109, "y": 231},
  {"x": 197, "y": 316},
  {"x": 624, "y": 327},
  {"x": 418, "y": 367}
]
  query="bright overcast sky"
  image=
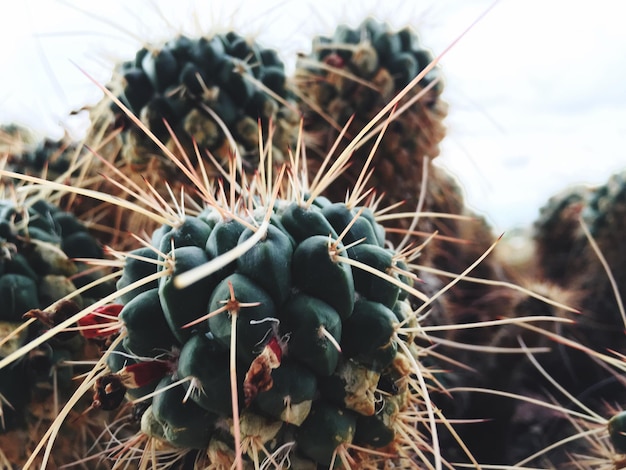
[{"x": 536, "y": 88}]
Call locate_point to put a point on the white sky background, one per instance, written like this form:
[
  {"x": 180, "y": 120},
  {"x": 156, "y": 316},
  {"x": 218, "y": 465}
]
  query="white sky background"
[{"x": 537, "y": 89}]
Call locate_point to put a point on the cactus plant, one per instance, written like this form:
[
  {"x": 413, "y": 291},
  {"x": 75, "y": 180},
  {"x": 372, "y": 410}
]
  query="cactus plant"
[
  {"x": 355, "y": 73},
  {"x": 209, "y": 91},
  {"x": 577, "y": 264},
  {"x": 29, "y": 155},
  {"x": 278, "y": 329},
  {"x": 271, "y": 324},
  {"x": 39, "y": 242}
]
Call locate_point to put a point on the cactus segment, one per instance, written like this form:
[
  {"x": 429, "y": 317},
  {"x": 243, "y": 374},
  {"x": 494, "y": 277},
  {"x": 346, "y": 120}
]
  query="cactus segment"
[
  {"x": 307, "y": 318},
  {"x": 206, "y": 360},
  {"x": 304, "y": 222},
  {"x": 147, "y": 330},
  {"x": 251, "y": 327},
  {"x": 289, "y": 399},
  {"x": 369, "y": 285},
  {"x": 316, "y": 273},
  {"x": 137, "y": 265},
  {"x": 268, "y": 263},
  {"x": 325, "y": 429},
  {"x": 182, "y": 306},
  {"x": 367, "y": 334},
  {"x": 183, "y": 423}
]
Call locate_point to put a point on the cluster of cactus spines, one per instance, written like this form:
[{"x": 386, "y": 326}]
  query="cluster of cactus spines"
[
  {"x": 39, "y": 282},
  {"x": 213, "y": 91},
  {"x": 354, "y": 74}
]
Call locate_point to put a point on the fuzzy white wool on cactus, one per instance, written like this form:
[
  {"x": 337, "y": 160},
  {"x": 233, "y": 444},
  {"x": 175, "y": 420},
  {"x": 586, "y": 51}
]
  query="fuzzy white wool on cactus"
[{"x": 535, "y": 91}]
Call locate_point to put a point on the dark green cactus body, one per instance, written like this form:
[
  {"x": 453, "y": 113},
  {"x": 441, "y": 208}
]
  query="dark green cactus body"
[
  {"x": 147, "y": 330},
  {"x": 317, "y": 274},
  {"x": 304, "y": 317},
  {"x": 182, "y": 306},
  {"x": 203, "y": 358},
  {"x": 292, "y": 393},
  {"x": 325, "y": 429},
  {"x": 314, "y": 334},
  {"x": 250, "y": 334},
  {"x": 186, "y": 79},
  {"x": 183, "y": 423},
  {"x": 37, "y": 242}
]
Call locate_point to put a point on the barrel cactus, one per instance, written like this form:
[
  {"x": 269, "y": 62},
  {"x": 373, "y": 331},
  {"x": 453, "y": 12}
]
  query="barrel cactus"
[
  {"x": 300, "y": 329},
  {"x": 356, "y": 72},
  {"x": 211, "y": 91},
  {"x": 38, "y": 287}
]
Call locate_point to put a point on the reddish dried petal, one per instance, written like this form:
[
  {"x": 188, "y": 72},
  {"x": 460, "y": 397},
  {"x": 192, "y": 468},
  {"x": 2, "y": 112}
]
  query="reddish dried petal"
[{"x": 142, "y": 373}]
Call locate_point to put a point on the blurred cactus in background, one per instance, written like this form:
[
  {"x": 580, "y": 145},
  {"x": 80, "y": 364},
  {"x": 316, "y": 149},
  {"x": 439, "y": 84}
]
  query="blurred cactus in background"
[{"x": 211, "y": 91}]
